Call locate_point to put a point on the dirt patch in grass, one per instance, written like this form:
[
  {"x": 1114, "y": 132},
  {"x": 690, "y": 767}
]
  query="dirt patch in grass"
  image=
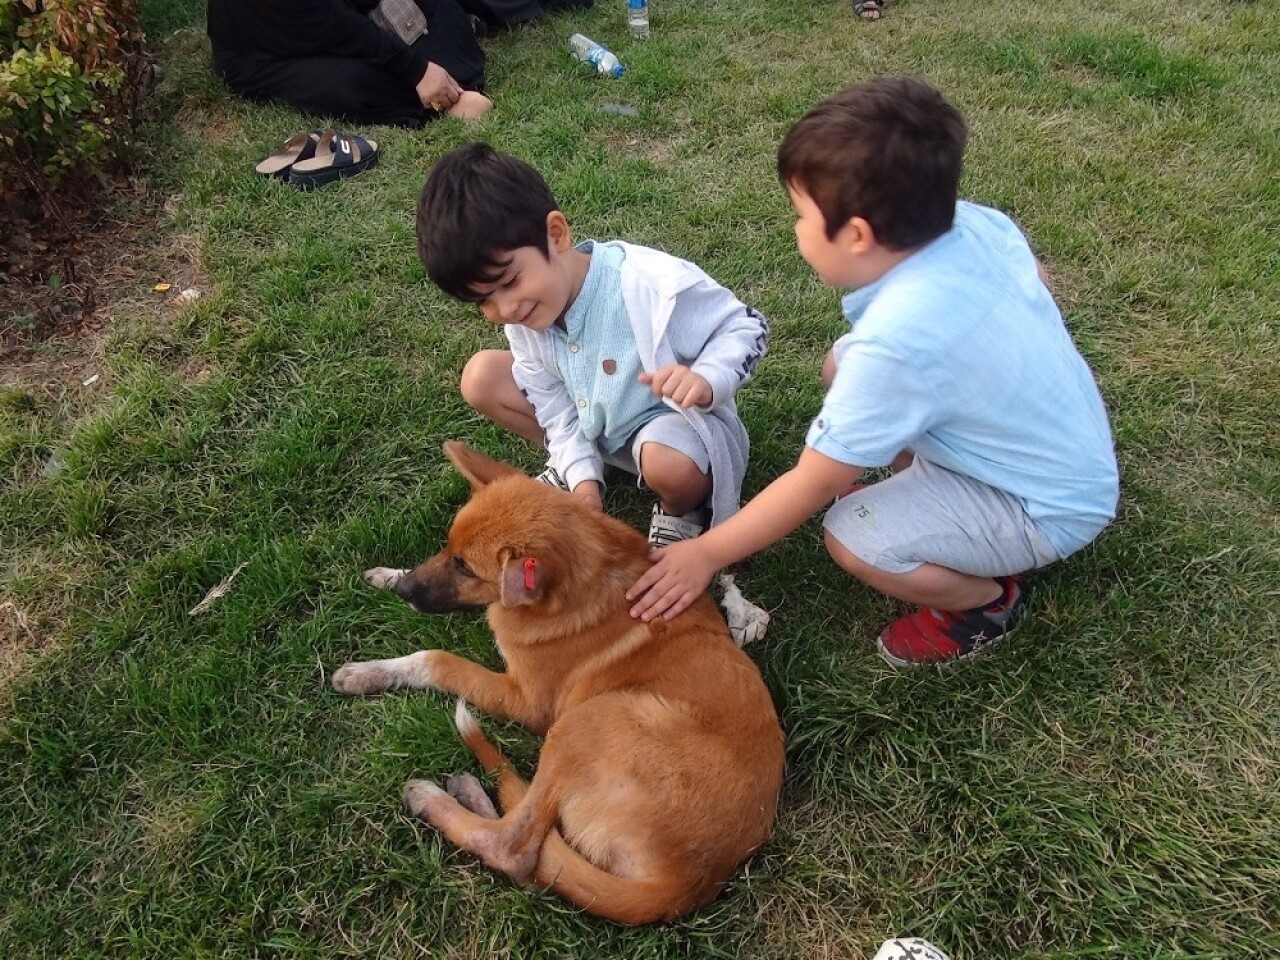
[
  {"x": 18, "y": 641},
  {"x": 57, "y": 267},
  {"x": 63, "y": 283},
  {"x": 63, "y": 280}
]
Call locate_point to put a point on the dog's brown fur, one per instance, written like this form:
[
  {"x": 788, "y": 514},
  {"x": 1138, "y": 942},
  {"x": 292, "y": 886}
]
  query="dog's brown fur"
[{"x": 663, "y": 756}]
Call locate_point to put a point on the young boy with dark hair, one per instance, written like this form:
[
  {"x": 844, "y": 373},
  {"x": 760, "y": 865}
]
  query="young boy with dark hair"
[
  {"x": 957, "y": 371},
  {"x": 618, "y": 354}
]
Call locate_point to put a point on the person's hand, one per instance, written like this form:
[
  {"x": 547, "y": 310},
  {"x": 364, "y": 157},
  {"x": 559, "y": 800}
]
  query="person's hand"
[
  {"x": 588, "y": 491},
  {"x": 680, "y": 575},
  {"x": 680, "y": 384},
  {"x": 437, "y": 89}
]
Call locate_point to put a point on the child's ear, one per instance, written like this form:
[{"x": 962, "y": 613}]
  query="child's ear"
[
  {"x": 559, "y": 236},
  {"x": 859, "y": 237}
]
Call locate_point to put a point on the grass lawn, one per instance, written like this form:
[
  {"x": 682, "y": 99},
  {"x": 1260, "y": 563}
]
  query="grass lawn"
[{"x": 1107, "y": 785}]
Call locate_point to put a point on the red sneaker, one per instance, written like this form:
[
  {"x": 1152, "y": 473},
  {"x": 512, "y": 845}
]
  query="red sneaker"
[{"x": 938, "y": 636}]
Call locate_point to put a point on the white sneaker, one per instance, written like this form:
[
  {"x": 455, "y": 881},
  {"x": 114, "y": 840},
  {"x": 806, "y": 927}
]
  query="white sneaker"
[
  {"x": 909, "y": 948},
  {"x": 551, "y": 477},
  {"x": 666, "y": 528}
]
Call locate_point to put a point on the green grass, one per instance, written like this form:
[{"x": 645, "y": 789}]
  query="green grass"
[{"x": 1105, "y": 786}]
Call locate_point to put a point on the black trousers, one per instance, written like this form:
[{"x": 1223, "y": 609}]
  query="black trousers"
[{"x": 358, "y": 91}]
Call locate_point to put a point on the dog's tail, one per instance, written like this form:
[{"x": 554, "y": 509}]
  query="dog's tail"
[
  {"x": 566, "y": 872},
  {"x": 510, "y": 786},
  {"x": 621, "y": 899}
]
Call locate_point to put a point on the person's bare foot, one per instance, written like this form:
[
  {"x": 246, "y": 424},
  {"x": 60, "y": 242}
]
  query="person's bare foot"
[
  {"x": 868, "y": 9},
  {"x": 470, "y": 106}
]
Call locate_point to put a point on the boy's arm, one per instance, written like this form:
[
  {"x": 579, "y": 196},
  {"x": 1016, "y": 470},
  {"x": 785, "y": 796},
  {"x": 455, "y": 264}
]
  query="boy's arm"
[
  {"x": 683, "y": 570},
  {"x": 575, "y": 457},
  {"x": 717, "y": 337},
  {"x": 1043, "y": 274}
]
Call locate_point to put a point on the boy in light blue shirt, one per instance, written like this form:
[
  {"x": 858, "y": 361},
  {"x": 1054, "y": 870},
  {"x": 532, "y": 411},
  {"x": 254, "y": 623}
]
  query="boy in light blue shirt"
[{"x": 957, "y": 372}]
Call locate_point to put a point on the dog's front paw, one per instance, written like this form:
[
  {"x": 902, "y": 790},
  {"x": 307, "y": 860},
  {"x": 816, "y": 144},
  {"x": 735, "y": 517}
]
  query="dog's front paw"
[
  {"x": 421, "y": 795},
  {"x": 355, "y": 679},
  {"x": 384, "y": 578},
  {"x": 752, "y": 627},
  {"x": 747, "y": 622},
  {"x": 374, "y": 676}
]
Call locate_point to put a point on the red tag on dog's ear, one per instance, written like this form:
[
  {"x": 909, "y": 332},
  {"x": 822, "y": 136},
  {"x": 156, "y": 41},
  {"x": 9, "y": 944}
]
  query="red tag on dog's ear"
[{"x": 520, "y": 581}]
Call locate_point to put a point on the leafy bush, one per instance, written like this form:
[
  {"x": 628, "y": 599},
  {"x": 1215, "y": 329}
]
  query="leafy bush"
[{"x": 71, "y": 76}]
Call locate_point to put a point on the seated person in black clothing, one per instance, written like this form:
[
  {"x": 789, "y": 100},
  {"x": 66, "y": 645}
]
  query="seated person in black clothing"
[
  {"x": 496, "y": 15},
  {"x": 328, "y": 58}
]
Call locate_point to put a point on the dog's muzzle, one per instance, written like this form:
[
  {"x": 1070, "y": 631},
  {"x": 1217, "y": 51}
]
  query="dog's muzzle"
[{"x": 429, "y": 594}]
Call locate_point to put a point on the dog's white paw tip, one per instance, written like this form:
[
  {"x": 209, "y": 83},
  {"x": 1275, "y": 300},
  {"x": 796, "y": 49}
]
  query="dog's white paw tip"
[
  {"x": 383, "y": 578},
  {"x": 426, "y": 786},
  {"x": 341, "y": 679},
  {"x": 353, "y": 679},
  {"x": 747, "y": 622},
  {"x": 418, "y": 793},
  {"x": 750, "y": 632},
  {"x": 746, "y": 637}
]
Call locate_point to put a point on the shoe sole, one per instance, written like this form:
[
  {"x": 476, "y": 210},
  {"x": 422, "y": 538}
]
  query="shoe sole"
[
  {"x": 310, "y": 181},
  {"x": 899, "y": 664}
]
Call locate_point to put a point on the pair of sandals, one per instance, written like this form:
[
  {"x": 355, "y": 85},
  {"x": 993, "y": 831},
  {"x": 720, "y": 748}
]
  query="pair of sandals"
[
  {"x": 868, "y": 9},
  {"x": 313, "y": 158}
]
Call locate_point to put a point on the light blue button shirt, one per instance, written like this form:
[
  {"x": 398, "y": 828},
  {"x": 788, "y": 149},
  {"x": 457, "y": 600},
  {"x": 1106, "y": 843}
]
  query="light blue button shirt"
[
  {"x": 597, "y": 355},
  {"x": 960, "y": 354}
]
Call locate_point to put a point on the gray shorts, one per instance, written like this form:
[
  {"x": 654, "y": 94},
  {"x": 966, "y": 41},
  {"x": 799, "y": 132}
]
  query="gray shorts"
[
  {"x": 928, "y": 514},
  {"x": 670, "y": 430}
]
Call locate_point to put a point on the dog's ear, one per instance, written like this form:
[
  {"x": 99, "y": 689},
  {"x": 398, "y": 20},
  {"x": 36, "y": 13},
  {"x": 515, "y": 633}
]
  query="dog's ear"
[
  {"x": 477, "y": 469},
  {"x": 523, "y": 580}
]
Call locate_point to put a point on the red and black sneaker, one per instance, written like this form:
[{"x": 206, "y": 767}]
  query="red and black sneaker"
[{"x": 938, "y": 636}]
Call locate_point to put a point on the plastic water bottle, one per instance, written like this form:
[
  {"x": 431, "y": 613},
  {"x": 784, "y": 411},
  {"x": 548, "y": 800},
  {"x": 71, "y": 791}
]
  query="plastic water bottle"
[
  {"x": 638, "y": 18},
  {"x": 594, "y": 55}
]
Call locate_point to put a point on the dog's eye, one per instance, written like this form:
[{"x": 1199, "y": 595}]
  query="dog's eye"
[{"x": 461, "y": 566}]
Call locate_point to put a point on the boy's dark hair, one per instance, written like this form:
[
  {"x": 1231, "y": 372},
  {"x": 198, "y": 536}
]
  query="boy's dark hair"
[
  {"x": 476, "y": 207},
  {"x": 888, "y": 151}
]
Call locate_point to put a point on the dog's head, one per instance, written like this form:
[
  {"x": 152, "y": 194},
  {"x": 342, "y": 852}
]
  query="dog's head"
[{"x": 521, "y": 543}]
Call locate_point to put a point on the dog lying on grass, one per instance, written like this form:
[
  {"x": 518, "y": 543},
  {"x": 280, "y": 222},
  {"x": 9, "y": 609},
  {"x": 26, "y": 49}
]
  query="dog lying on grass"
[{"x": 663, "y": 757}]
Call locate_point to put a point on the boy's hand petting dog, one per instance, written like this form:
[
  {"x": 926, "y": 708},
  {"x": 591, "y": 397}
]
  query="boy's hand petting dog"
[
  {"x": 680, "y": 384},
  {"x": 588, "y": 491},
  {"x": 680, "y": 574}
]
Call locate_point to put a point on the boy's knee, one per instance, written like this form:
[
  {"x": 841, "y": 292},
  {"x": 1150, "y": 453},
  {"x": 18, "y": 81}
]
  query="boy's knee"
[
  {"x": 845, "y": 558},
  {"x": 482, "y": 376},
  {"x": 671, "y": 473}
]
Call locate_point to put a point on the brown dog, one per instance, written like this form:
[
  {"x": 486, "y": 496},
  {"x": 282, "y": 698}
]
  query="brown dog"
[{"x": 663, "y": 759}]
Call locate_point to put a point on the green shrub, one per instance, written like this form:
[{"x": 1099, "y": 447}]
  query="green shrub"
[{"x": 71, "y": 77}]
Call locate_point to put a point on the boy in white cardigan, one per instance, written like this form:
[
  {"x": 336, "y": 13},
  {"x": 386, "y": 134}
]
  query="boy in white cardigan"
[{"x": 619, "y": 354}]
